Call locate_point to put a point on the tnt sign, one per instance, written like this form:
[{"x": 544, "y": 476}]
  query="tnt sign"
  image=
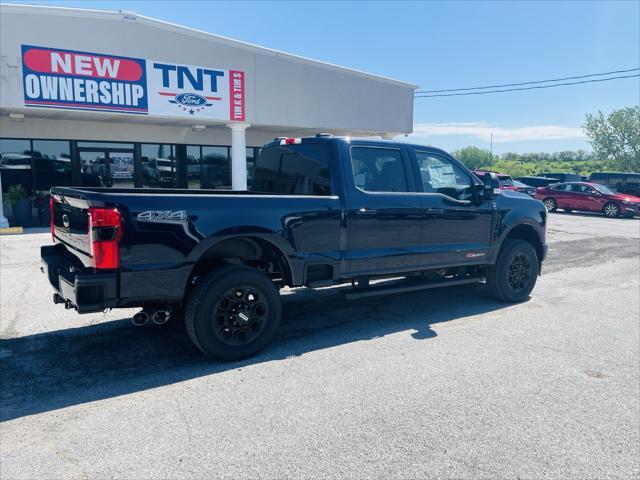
[{"x": 195, "y": 92}]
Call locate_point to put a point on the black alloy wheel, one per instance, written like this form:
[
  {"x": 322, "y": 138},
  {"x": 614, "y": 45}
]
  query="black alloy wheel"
[
  {"x": 240, "y": 315},
  {"x": 519, "y": 272},
  {"x": 233, "y": 312},
  {"x": 515, "y": 273}
]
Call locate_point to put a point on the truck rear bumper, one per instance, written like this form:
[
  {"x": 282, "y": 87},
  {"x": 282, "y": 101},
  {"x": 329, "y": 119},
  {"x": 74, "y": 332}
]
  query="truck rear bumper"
[{"x": 74, "y": 285}]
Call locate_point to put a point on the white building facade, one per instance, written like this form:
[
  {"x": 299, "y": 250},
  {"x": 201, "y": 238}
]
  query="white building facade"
[{"x": 95, "y": 98}]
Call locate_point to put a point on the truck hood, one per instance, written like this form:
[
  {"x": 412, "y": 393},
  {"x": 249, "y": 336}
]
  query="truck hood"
[{"x": 509, "y": 199}]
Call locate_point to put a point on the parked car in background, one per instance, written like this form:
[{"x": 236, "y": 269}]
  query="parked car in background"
[
  {"x": 621, "y": 182},
  {"x": 506, "y": 182},
  {"x": 524, "y": 188},
  {"x": 537, "y": 181},
  {"x": 588, "y": 197},
  {"x": 562, "y": 177}
]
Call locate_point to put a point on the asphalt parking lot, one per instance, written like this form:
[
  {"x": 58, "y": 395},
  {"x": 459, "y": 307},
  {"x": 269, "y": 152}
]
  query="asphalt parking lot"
[{"x": 442, "y": 383}]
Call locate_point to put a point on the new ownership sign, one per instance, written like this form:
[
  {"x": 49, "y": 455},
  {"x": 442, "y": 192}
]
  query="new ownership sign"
[{"x": 55, "y": 78}]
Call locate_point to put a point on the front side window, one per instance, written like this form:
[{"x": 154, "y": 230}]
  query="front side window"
[
  {"x": 378, "y": 169},
  {"x": 441, "y": 175}
]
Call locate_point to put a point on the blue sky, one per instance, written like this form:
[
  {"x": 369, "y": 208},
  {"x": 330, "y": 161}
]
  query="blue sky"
[{"x": 440, "y": 45}]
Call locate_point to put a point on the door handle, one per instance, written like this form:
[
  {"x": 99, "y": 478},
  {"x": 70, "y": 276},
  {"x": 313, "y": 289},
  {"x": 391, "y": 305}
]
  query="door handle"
[
  {"x": 367, "y": 211},
  {"x": 435, "y": 211}
]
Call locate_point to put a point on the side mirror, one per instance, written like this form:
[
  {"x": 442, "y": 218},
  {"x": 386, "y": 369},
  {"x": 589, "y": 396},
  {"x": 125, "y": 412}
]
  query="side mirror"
[{"x": 491, "y": 184}]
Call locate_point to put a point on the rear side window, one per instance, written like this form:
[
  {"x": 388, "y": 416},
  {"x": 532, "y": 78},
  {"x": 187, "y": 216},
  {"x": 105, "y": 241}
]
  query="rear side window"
[
  {"x": 378, "y": 169},
  {"x": 293, "y": 169}
]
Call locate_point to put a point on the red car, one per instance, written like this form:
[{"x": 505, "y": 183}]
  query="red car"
[{"x": 589, "y": 197}]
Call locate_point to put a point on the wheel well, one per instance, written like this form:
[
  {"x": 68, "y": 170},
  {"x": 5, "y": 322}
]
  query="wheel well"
[
  {"x": 251, "y": 251},
  {"x": 528, "y": 234}
]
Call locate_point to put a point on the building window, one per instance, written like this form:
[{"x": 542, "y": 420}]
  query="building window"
[
  {"x": 215, "y": 168},
  {"x": 194, "y": 155},
  {"x": 252, "y": 156},
  {"x": 158, "y": 165},
  {"x": 15, "y": 163},
  {"x": 51, "y": 164}
]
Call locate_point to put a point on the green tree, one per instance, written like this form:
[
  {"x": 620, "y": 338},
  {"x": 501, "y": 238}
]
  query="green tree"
[
  {"x": 616, "y": 137},
  {"x": 474, "y": 158}
]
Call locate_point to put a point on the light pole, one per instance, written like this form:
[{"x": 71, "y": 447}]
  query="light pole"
[{"x": 491, "y": 153}]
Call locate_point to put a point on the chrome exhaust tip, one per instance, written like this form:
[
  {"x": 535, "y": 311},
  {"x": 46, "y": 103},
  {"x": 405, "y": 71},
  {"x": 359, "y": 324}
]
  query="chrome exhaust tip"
[
  {"x": 141, "y": 318},
  {"x": 161, "y": 317}
]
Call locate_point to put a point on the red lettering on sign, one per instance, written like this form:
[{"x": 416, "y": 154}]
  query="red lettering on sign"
[{"x": 69, "y": 63}]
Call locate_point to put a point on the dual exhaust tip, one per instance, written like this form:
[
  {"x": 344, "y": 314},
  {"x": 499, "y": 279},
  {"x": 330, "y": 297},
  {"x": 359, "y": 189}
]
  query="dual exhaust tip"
[{"x": 159, "y": 317}]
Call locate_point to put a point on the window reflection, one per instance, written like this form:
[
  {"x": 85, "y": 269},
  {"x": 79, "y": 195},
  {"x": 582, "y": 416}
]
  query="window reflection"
[
  {"x": 158, "y": 165},
  {"x": 216, "y": 168},
  {"x": 51, "y": 163},
  {"x": 193, "y": 166},
  {"x": 15, "y": 163},
  {"x": 42, "y": 164}
]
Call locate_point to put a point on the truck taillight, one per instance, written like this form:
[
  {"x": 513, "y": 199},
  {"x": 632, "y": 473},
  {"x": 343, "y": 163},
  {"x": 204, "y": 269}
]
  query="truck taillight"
[
  {"x": 105, "y": 230},
  {"x": 53, "y": 227}
]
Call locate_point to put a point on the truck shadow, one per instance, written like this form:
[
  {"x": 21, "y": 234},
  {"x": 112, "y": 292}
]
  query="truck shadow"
[{"x": 53, "y": 370}]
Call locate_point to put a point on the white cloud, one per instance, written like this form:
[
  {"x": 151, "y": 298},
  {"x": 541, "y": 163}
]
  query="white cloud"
[{"x": 483, "y": 131}]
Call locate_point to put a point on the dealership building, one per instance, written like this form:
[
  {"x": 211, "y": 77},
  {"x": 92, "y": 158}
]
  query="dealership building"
[{"x": 115, "y": 99}]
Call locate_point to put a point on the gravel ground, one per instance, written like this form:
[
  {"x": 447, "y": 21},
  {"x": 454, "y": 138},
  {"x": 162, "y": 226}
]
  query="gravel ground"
[{"x": 442, "y": 383}]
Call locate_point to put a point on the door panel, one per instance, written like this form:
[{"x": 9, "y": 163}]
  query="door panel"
[
  {"x": 455, "y": 229},
  {"x": 563, "y": 198},
  {"x": 384, "y": 215},
  {"x": 454, "y": 234},
  {"x": 384, "y": 233}
]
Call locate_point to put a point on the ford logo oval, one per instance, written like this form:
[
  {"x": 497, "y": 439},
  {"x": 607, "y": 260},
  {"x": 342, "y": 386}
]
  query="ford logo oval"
[
  {"x": 65, "y": 220},
  {"x": 190, "y": 99}
]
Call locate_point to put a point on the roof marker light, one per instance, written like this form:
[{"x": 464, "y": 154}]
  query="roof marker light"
[{"x": 290, "y": 141}]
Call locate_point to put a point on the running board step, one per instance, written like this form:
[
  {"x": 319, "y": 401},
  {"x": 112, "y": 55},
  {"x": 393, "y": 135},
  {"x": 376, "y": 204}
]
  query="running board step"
[{"x": 401, "y": 286}]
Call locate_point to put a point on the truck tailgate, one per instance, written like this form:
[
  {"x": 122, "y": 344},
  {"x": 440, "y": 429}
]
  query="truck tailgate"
[{"x": 70, "y": 221}]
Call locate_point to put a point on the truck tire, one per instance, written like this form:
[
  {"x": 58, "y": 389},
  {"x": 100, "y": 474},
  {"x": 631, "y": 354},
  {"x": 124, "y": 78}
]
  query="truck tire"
[
  {"x": 233, "y": 313},
  {"x": 514, "y": 275}
]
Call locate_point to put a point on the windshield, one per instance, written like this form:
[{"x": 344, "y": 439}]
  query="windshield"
[
  {"x": 505, "y": 180},
  {"x": 603, "y": 189}
]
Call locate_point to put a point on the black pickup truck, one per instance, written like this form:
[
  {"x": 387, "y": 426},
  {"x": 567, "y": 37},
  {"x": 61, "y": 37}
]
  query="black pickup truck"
[{"x": 322, "y": 210}]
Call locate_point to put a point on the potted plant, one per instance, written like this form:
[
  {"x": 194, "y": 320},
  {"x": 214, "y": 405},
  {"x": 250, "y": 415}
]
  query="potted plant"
[
  {"x": 19, "y": 202},
  {"x": 41, "y": 204}
]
